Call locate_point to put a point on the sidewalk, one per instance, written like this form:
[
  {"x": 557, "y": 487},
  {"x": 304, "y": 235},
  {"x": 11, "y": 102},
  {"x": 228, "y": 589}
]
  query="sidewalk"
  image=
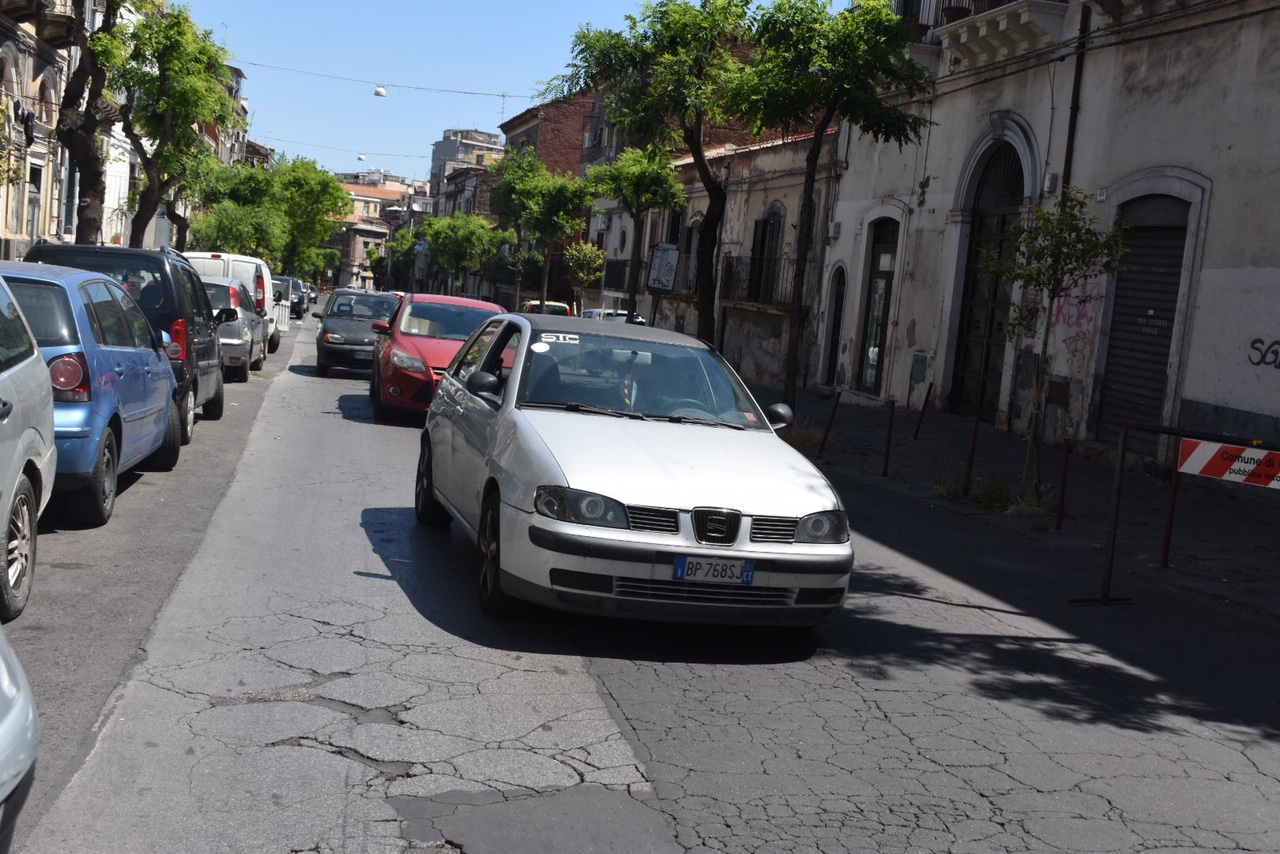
[{"x": 1222, "y": 535}]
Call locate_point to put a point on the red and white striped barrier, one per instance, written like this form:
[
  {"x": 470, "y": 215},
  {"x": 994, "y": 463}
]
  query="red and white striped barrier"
[{"x": 1230, "y": 462}]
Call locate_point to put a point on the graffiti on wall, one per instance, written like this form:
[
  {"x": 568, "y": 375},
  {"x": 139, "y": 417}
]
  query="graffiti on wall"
[
  {"x": 1263, "y": 353},
  {"x": 1080, "y": 312}
]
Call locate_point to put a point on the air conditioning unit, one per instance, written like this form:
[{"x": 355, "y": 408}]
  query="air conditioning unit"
[
  {"x": 586, "y": 139},
  {"x": 833, "y": 230}
]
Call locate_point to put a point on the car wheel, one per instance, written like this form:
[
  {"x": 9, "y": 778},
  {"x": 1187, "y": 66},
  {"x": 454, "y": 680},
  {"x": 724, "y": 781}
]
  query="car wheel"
[
  {"x": 165, "y": 457},
  {"x": 187, "y": 409},
  {"x": 19, "y": 551},
  {"x": 242, "y": 373},
  {"x": 256, "y": 364},
  {"x": 322, "y": 370},
  {"x": 429, "y": 511},
  {"x": 273, "y": 343},
  {"x": 212, "y": 409},
  {"x": 494, "y": 601},
  {"x": 92, "y": 503}
]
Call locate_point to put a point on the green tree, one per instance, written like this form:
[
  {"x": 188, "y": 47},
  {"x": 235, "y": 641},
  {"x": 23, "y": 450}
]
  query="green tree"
[
  {"x": 1056, "y": 251},
  {"x": 642, "y": 180},
  {"x": 314, "y": 205},
  {"x": 239, "y": 210},
  {"x": 541, "y": 208},
  {"x": 669, "y": 73},
  {"x": 86, "y": 111},
  {"x": 810, "y": 67},
  {"x": 585, "y": 263},
  {"x": 462, "y": 241},
  {"x": 173, "y": 77}
]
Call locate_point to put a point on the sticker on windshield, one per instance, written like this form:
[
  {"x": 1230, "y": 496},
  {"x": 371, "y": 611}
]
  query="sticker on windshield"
[
  {"x": 558, "y": 338},
  {"x": 539, "y": 347}
]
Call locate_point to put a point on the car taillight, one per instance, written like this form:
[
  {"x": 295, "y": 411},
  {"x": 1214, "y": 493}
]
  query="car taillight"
[
  {"x": 70, "y": 377},
  {"x": 177, "y": 348},
  {"x": 235, "y": 297},
  {"x": 260, "y": 291}
]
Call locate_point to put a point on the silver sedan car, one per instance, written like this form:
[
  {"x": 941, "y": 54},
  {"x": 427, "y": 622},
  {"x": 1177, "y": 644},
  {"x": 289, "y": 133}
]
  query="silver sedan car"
[{"x": 617, "y": 469}]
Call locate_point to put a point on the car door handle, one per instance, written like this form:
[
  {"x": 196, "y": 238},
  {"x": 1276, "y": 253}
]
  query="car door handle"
[
  {"x": 119, "y": 370},
  {"x": 6, "y": 408}
]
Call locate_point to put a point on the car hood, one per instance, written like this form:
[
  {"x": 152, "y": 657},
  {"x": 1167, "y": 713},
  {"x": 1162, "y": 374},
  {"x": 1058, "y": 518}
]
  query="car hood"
[
  {"x": 659, "y": 464},
  {"x": 354, "y": 331},
  {"x": 434, "y": 352}
]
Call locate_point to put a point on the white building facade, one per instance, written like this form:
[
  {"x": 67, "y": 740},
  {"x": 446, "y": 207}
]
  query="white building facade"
[{"x": 1165, "y": 115}]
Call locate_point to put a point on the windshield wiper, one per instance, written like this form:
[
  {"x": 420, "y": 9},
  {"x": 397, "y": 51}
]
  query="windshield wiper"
[
  {"x": 707, "y": 422},
  {"x": 587, "y": 408}
]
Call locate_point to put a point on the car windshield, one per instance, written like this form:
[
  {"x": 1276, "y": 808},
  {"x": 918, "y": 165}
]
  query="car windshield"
[
  {"x": 363, "y": 306},
  {"x": 661, "y": 380},
  {"x": 442, "y": 320},
  {"x": 48, "y": 312}
]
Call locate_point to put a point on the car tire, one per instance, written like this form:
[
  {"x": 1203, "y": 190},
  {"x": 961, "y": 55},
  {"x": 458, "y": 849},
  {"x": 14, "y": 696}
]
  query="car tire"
[
  {"x": 19, "y": 551},
  {"x": 256, "y": 364},
  {"x": 273, "y": 343},
  {"x": 187, "y": 409},
  {"x": 212, "y": 409},
  {"x": 494, "y": 601},
  {"x": 322, "y": 370},
  {"x": 165, "y": 457},
  {"x": 429, "y": 512},
  {"x": 241, "y": 373},
  {"x": 93, "y": 503}
]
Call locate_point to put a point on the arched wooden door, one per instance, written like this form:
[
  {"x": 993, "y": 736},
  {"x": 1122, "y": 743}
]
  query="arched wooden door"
[{"x": 984, "y": 307}]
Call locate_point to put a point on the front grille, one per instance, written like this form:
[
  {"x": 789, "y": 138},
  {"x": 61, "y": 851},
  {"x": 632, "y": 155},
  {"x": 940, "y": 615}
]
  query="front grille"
[
  {"x": 702, "y": 593},
  {"x": 715, "y": 526},
  {"x": 773, "y": 529},
  {"x": 655, "y": 520}
]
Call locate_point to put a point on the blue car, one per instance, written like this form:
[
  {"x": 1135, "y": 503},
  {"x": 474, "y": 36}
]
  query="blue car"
[{"x": 113, "y": 388}]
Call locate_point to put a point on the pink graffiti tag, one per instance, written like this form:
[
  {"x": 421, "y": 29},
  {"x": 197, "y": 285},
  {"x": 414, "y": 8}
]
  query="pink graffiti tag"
[{"x": 1079, "y": 310}]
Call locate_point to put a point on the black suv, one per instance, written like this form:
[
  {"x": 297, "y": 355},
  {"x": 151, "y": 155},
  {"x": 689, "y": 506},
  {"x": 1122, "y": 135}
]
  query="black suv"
[{"x": 168, "y": 290}]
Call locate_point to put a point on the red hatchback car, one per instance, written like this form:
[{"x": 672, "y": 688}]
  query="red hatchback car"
[{"x": 415, "y": 346}]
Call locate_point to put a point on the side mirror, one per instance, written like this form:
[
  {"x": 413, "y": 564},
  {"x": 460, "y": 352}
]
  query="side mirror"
[
  {"x": 485, "y": 386},
  {"x": 316, "y": 314},
  {"x": 381, "y": 327},
  {"x": 779, "y": 416},
  {"x": 226, "y": 315},
  {"x": 279, "y": 296},
  {"x": 162, "y": 339},
  {"x": 262, "y": 312}
]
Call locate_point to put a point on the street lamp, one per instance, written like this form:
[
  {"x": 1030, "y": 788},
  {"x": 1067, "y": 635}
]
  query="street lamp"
[{"x": 380, "y": 90}]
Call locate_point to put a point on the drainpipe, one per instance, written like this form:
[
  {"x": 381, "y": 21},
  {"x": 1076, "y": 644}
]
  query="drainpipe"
[{"x": 1086, "y": 16}]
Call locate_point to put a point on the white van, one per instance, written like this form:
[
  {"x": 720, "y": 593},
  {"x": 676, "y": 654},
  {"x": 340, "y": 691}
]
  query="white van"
[{"x": 254, "y": 272}]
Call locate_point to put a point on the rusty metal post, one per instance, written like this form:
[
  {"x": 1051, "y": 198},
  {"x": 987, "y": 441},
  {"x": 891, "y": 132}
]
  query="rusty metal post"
[
  {"x": 831, "y": 417},
  {"x": 968, "y": 466},
  {"x": 1168, "y": 519},
  {"x": 888, "y": 440},
  {"x": 1115, "y": 515},
  {"x": 923, "y": 406},
  {"x": 1062, "y": 484}
]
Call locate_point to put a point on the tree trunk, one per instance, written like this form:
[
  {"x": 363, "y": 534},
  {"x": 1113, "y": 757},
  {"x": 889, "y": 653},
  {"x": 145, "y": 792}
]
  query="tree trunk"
[
  {"x": 181, "y": 226},
  {"x": 637, "y": 257},
  {"x": 708, "y": 232},
  {"x": 804, "y": 240},
  {"x": 546, "y": 277},
  {"x": 149, "y": 199}
]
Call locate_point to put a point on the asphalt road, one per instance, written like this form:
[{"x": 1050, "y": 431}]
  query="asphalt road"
[{"x": 317, "y": 677}]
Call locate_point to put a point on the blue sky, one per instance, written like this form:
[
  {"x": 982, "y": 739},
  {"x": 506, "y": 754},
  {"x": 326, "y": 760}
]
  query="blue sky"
[{"x": 426, "y": 52}]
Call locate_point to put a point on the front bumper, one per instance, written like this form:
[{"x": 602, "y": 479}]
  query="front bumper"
[
  {"x": 631, "y": 574},
  {"x": 408, "y": 390},
  {"x": 358, "y": 357}
]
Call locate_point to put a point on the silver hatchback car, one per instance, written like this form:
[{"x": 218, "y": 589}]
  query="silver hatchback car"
[{"x": 28, "y": 454}]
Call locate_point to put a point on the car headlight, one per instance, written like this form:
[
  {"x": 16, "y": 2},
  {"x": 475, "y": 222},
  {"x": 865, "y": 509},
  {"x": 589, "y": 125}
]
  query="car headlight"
[
  {"x": 585, "y": 508},
  {"x": 405, "y": 362},
  {"x": 334, "y": 338},
  {"x": 831, "y": 526}
]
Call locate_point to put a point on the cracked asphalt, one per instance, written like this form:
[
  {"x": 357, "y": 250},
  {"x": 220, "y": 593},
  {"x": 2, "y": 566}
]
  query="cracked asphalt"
[{"x": 321, "y": 680}]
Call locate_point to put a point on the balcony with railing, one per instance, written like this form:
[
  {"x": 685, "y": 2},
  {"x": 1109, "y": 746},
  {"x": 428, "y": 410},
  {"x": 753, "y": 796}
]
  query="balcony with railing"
[
  {"x": 760, "y": 279},
  {"x": 978, "y": 32},
  {"x": 53, "y": 18}
]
